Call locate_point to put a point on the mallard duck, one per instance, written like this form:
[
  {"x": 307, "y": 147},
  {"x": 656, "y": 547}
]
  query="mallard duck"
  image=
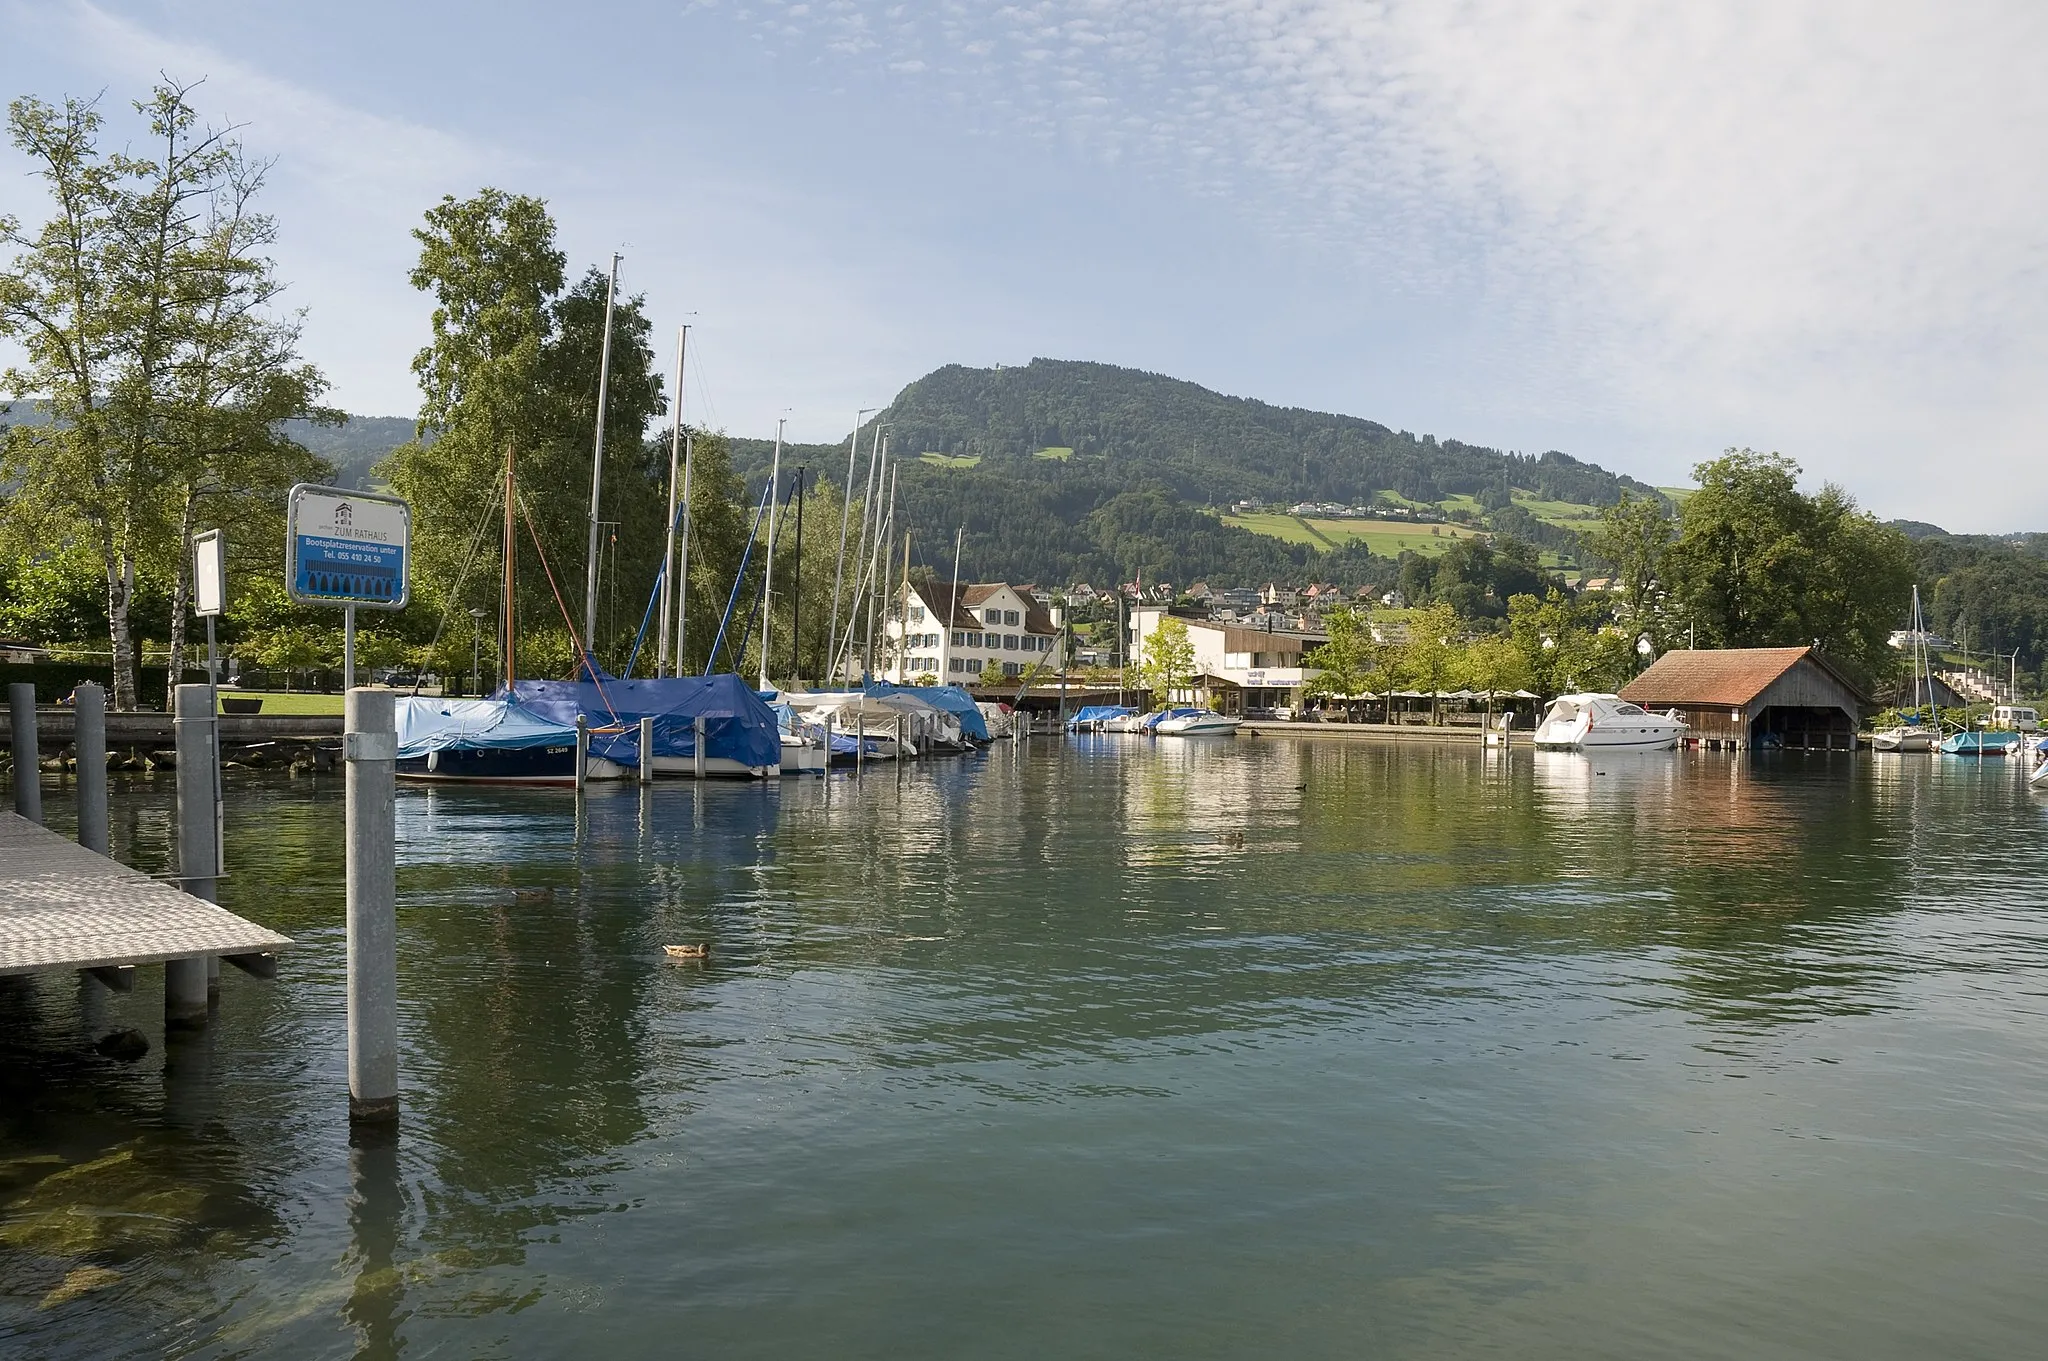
[{"x": 686, "y": 951}]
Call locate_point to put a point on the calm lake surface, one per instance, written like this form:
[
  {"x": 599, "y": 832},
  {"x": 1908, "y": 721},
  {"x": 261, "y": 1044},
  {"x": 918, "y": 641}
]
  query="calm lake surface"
[{"x": 1106, "y": 1049}]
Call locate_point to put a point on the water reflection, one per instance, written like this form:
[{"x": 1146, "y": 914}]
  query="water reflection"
[{"x": 1195, "y": 1046}]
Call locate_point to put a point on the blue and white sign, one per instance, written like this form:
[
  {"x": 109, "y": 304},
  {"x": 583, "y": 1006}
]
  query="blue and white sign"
[{"x": 347, "y": 548}]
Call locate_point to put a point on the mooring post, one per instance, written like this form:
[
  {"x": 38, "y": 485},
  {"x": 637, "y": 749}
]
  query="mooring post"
[
  {"x": 28, "y": 762},
  {"x": 860, "y": 744},
  {"x": 582, "y": 749},
  {"x": 902, "y": 745},
  {"x": 697, "y": 744},
  {"x": 647, "y": 749},
  {"x": 186, "y": 981},
  {"x": 827, "y": 772},
  {"x": 90, "y": 745},
  {"x": 370, "y": 748}
]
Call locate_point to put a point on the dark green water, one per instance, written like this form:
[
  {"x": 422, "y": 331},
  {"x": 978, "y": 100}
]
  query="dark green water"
[{"x": 1208, "y": 1049}]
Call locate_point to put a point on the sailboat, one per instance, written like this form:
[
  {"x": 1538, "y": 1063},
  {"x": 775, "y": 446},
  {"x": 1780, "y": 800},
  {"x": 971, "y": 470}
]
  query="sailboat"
[{"x": 1913, "y": 734}]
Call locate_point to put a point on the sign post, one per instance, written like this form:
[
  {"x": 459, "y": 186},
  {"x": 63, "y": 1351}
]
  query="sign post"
[
  {"x": 351, "y": 549},
  {"x": 209, "y": 600}
]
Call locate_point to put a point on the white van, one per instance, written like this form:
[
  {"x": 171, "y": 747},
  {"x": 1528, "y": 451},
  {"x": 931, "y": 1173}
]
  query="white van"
[{"x": 2014, "y": 718}]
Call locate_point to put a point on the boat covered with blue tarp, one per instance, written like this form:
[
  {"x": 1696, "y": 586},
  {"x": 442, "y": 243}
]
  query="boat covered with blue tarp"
[
  {"x": 483, "y": 741},
  {"x": 1093, "y": 716},
  {"x": 951, "y": 698},
  {"x": 1980, "y": 744},
  {"x": 741, "y": 733}
]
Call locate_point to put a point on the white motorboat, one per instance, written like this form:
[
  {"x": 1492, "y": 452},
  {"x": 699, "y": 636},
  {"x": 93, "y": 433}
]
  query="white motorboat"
[
  {"x": 1197, "y": 723},
  {"x": 1606, "y": 723},
  {"x": 2039, "y": 777}
]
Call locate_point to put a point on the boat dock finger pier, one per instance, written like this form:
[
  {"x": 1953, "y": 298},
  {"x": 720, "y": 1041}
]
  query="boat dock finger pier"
[{"x": 67, "y": 906}]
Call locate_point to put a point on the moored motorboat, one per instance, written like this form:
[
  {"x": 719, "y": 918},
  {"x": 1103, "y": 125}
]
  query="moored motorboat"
[
  {"x": 1196, "y": 723},
  {"x": 1604, "y": 722},
  {"x": 482, "y": 741},
  {"x": 1976, "y": 743}
]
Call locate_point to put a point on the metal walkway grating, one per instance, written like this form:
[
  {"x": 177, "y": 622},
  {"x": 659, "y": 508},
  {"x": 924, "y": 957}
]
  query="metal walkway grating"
[{"x": 65, "y": 907}]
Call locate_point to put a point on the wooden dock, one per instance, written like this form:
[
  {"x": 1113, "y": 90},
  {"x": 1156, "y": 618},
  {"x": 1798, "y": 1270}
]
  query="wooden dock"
[{"x": 65, "y": 907}]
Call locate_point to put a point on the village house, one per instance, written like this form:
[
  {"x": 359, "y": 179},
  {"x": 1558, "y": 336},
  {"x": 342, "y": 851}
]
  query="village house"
[
  {"x": 1237, "y": 669},
  {"x": 1755, "y": 697},
  {"x": 959, "y": 634}
]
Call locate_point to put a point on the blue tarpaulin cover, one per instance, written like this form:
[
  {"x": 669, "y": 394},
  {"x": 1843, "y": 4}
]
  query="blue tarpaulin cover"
[
  {"x": 1099, "y": 713},
  {"x": 951, "y": 698},
  {"x": 497, "y": 724},
  {"x": 738, "y": 725}
]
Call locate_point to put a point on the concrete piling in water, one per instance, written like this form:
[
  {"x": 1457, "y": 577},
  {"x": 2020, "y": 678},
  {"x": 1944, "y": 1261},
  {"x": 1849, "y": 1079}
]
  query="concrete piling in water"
[
  {"x": 91, "y": 746},
  {"x": 28, "y": 761},
  {"x": 186, "y": 981},
  {"x": 647, "y": 750},
  {"x": 370, "y": 748},
  {"x": 697, "y": 745},
  {"x": 582, "y": 750}
]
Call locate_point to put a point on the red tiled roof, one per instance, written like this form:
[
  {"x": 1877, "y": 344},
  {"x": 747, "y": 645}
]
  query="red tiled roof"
[{"x": 1723, "y": 677}]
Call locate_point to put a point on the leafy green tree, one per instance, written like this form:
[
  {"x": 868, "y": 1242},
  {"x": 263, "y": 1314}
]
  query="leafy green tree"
[
  {"x": 1431, "y": 653},
  {"x": 1633, "y": 538},
  {"x": 1568, "y": 644},
  {"x": 1343, "y": 661},
  {"x": 1494, "y": 663},
  {"x": 1756, "y": 563},
  {"x": 119, "y": 302},
  {"x": 512, "y": 372},
  {"x": 1169, "y": 664}
]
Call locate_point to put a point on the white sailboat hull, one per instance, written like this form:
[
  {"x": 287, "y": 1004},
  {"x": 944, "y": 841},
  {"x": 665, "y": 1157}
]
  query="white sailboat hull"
[{"x": 1904, "y": 740}]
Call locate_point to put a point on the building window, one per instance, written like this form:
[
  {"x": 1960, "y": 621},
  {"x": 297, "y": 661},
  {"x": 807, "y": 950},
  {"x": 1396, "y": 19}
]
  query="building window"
[
  {"x": 992, "y": 617},
  {"x": 974, "y": 640},
  {"x": 1010, "y": 618},
  {"x": 1012, "y": 668},
  {"x": 1009, "y": 642},
  {"x": 974, "y": 665},
  {"x": 959, "y": 638},
  {"x": 956, "y": 665},
  {"x": 916, "y": 615}
]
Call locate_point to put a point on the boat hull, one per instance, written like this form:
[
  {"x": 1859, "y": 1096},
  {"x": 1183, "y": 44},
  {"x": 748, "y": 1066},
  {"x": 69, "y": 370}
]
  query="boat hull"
[
  {"x": 1903, "y": 740},
  {"x": 526, "y": 765},
  {"x": 1213, "y": 725},
  {"x": 1981, "y": 744}
]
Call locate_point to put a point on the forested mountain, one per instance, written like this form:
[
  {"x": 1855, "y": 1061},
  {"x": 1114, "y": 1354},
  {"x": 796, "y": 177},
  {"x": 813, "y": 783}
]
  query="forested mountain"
[
  {"x": 1062, "y": 470},
  {"x": 355, "y": 446}
]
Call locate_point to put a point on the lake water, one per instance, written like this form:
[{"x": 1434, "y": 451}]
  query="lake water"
[{"x": 1104, "y": 1049}]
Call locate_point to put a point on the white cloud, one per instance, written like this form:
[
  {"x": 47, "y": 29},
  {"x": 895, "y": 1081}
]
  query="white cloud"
[
  {"x": 347, "y": 185},
  {"x": 1801, "y": 224}
]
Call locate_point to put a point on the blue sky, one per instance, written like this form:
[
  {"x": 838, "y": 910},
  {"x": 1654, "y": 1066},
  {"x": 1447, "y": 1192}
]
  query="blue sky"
[{"x": 1637, "y": 233}]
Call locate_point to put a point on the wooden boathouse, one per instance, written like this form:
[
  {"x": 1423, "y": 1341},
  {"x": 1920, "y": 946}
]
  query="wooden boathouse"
[{"x": 1755, "y": 697}]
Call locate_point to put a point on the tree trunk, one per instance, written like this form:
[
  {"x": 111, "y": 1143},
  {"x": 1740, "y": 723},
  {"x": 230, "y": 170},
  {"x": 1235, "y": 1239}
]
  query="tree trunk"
[
  {"x": 120, "y": 593},
  {"x": 181, "y": 591}
]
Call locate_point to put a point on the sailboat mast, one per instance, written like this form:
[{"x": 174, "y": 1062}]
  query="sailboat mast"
[
  {"x": 768, "y": 573},
  {"x": 877, "y": 575},
  {"x": 507, "y": 625},
  {"x": 604, "y": 375},
  {"x": 668, "y": 554},
  {"x": 683, "y": 566},
  {"x": 845, "y": 522},
  {"x": 796, "y": 582}
]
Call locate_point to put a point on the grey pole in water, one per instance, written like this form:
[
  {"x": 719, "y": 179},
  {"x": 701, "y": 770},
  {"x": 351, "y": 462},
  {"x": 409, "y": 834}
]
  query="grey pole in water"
[
  {"x": 860, "y": 744},
  {"x": 370, "y": 746},
  {"x": 91, "y": 747},
  {"x": 902, "y": 746},
  {"x": 185, "y": 980},
  {"x": 28, "y": 762},
  {"x": 647, "y": 749},
  {"x": 582, "y": 749},
  {"x": 697, "y": 745}
]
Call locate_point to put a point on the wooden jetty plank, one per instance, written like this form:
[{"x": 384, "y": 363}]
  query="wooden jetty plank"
[{"x": 65, "y": 907}]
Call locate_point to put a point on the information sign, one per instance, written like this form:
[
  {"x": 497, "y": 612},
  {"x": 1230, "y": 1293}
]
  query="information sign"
[
  {"x": 347, "y": 548},
  {"x": 209, "y": 574}
]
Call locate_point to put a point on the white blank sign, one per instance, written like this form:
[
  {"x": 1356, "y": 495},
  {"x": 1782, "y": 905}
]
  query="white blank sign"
[{"x": 209, "y": 574}]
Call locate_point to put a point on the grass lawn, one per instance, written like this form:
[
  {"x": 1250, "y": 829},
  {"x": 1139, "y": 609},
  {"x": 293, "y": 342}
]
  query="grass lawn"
[
  {"x": 1389, "y": 538},
  {"x": 1055, "y": 453},
  {"x": 950, "y": 460},
  {"x": 1564, "y": 514},
  {"x": 281, "y": 702}
]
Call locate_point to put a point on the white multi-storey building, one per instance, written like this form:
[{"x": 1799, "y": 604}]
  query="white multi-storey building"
[
  {"x": 1235, "y": 668},
  {"x": 957, "y": 634}
]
